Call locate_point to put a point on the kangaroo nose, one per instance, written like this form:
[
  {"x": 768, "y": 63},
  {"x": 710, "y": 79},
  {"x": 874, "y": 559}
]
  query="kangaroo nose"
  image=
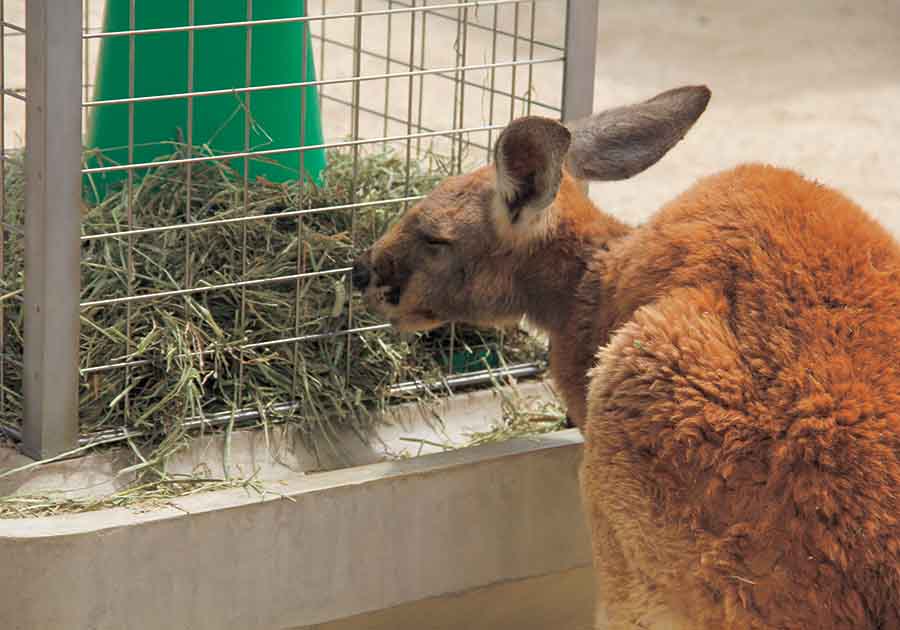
[{"x": 360, "y": 276}]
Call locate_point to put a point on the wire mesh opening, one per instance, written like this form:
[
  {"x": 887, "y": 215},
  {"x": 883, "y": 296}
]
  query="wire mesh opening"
[{"x": 227, "y": 263}]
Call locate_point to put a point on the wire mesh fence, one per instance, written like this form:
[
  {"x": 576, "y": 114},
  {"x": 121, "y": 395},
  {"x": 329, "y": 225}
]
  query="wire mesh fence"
[{"x": 240, "y": 207}]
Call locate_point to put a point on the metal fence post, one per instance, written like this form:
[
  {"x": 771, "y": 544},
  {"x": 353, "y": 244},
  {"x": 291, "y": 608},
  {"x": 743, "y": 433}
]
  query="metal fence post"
[
  {"x": 52, "y": 227},
  {"x": 580, "y": 64}
]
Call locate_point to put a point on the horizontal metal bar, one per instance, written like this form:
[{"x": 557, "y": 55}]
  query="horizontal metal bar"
[
  {"x": 243, "y": 417},
  {"x": 15, "y": 95},
  {"x": 12, "y": 433},
  {"x": 256, "y": 217},
  {"x": 215, "y": 287},
  {"x": 314, "y": 337},
  {"x": 121, "y": 365},
  {"x": 397, "y": 119},
  {"x": 260, "y": 344},
  {"x": 474, "y": 4},
  {"x": 468, "y": 379},
  {"x": 14, "y": 27},
  {"x": 490, "y": 29},
  {"x": 265, "y": 152},
  {"x": 466, "y": 82},
  {"x": 322, "y": 82}
]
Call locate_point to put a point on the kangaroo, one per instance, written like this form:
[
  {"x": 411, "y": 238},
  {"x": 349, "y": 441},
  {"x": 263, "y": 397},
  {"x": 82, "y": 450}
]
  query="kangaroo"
[{"x": 733, "y": 365}]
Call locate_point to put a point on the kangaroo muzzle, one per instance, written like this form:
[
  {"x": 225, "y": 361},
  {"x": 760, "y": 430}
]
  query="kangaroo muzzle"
[{"x": 361, "y": 275}]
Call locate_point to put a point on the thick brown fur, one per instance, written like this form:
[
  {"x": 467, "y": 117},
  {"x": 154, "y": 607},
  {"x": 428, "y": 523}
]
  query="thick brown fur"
[{"x": 734, "y": 365}]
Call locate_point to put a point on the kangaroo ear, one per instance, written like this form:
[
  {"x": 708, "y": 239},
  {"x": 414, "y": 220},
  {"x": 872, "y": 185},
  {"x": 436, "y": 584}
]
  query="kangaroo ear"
[
  {"x": 528, "y": 159},
  {"x": 622, "y": 142}
]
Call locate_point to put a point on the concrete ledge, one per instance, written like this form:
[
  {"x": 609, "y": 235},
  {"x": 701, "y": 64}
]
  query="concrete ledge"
[
  {"x": 329, "y": 546},
  {"x": 278, "y": 455}
]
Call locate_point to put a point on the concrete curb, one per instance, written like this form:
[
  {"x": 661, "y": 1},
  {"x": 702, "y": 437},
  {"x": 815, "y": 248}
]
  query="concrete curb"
[{"x": 328, "y": 546}]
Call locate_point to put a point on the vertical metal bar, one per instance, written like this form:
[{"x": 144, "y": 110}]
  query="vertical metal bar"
[
  {"x": 456, "y": 158},
  {"x": 301, "y": 195},
  {"x": 357, "y": 70},
  {"x": 387, "y": 70},
  {"x": 323, "y": 24},
  {"x": 493, "y": 84},
  {"x": 527, "y": 111},
  {"x": 457, "y": 48},
  {"x": 189, "y": 168},
  {"x": 581, "y": 61},
  {"x": 421, "y": 80},
  {"x": 409, "y": 102},
  {"x": 462, "y": 86},
  {"x": 459, "y": 106},
  {"x": 580, "y": 64},
  {"x": 248, "y": 77},
  {"x": 85, "y": 58},
  {"x": 129, "y": 344},
  {"x": 515, "y": 57},
  {"x": 52, "y": 226},
  {"x": 501, "y": 344},
  {"x": 304, "y": 63},
  {"x": 2, "y": 203},
  {"x": 189, "y": 150}
]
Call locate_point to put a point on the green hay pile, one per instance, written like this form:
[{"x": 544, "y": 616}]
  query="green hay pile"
[{"x": 187, "y": 348}]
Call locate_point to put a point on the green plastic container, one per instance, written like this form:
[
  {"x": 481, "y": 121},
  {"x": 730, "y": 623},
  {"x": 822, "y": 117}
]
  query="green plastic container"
[
  {"x": 463, "y": 361},
  {"x": 161, "y": 67}
]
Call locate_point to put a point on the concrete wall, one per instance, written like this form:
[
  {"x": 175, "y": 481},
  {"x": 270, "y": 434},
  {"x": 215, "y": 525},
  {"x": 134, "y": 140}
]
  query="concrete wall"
[
  {"x": 559, "y": 601},
  {"x": 327, "y": 547}
]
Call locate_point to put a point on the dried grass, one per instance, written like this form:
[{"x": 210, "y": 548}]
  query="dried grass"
[{"x": 189, "y": 353}]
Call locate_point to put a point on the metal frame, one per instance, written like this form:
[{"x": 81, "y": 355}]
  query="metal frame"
[
  {"x": 581, "y": 61},
  {"x": 52, "y": 228},
  {"x": 58, "y": 95}
]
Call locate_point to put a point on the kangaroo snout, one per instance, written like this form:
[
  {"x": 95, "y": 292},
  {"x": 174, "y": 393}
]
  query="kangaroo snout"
[{"x": 361, "y": 274}]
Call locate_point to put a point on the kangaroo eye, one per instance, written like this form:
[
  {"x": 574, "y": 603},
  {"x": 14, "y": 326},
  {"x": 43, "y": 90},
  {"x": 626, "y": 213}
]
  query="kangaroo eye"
[{"x": 436, "y": 241}]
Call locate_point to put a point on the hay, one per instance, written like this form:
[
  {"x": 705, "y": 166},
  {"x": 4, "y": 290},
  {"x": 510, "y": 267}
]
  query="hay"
[
  {"x": 186, "y": 350},
  {"x": 139, "y": 497},
  {"x": 521, "y": 415}
]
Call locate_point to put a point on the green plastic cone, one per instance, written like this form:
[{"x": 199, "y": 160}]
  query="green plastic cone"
[{"x": 161, "y": 67}]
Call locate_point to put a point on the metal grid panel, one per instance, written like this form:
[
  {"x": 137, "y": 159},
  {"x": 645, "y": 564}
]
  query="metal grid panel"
[
  {"x": 11, "y": 35},
  {"x": 433, "y": 79}
]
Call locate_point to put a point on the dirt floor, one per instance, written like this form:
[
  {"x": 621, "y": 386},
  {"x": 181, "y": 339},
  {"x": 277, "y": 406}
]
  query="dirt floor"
[{"x": 813, "y": 85}]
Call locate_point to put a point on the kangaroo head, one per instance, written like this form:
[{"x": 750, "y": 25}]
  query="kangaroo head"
[{"x": 479, "y": 248}]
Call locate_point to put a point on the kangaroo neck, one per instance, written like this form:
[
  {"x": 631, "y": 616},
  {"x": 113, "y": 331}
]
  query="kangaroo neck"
[
  {"x": 549, "y": 286},
  {"x": 565, "y": 293}
]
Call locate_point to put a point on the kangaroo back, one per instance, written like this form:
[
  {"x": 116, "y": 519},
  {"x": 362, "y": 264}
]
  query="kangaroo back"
[{"x": 746, "y": 415}]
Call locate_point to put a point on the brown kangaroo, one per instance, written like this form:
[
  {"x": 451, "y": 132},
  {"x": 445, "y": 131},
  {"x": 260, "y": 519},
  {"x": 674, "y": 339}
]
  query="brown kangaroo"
[{"x": 733, "y": 364}]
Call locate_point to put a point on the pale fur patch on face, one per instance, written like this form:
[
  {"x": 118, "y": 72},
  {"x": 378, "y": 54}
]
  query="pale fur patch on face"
[{"x": 531, "y": 227}]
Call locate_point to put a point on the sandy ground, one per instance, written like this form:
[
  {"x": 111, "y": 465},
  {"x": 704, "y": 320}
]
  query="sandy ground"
[{"x": 813, "y": 85}]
